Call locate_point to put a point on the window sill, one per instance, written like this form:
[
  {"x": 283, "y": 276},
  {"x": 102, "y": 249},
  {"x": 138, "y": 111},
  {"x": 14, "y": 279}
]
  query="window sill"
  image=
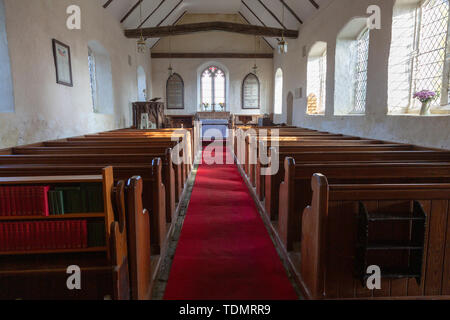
[
  {"x": 435, "y": 112},
  {"x": 350, "y": 115},
  {"x": 430, "y": 116}
]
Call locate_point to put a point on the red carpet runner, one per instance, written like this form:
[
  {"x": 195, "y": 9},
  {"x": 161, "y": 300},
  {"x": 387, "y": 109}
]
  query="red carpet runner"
[{"x": 224, "y": 251}]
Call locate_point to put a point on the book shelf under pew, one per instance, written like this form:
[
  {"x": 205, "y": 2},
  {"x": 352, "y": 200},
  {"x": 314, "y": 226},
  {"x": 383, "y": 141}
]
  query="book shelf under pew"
[{"x": 36, "y": 253}]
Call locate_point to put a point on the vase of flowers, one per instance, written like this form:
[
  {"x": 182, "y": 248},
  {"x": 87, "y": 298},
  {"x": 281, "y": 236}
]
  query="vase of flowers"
[
  {"x": 205, "y": 106},
  {"x": 425, "y": 97},
  {"x": 222, "y": 106}
]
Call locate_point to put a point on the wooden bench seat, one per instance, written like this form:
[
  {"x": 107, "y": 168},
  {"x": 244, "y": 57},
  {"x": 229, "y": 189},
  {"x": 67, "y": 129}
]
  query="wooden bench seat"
[
  {"x": 187, "y": 157},
  {"x": 295, "y": 189},
  {"x": 150, "y": 169},
  {"x": 285, "y": 151},
  {"x": 250, "y": 156},
  {"x": 181, "y": 170},
  {"x": 172, "y": 177},
  {"x": 272, "y": 182},
  {"x": 174, "y": 191}
]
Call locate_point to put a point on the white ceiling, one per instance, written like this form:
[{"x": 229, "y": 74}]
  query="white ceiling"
[{"x": 164, "y": 16}]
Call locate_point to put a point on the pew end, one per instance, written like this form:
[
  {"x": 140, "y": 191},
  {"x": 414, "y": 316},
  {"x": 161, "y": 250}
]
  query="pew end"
[
  {"x": 286, "y": 203},
  {"x": 313, "y": 233},
  {"x": 139, "y": 241}
]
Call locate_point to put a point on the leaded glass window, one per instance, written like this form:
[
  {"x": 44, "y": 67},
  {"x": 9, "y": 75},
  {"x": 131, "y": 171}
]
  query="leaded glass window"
[
  {"x": 93, "y": 78},
  {"x": 361, "y": 71},
  {"x": 213, "y": 89}
]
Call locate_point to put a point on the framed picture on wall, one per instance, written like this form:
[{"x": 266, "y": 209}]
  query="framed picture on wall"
[{"x": 63, "y": 63}]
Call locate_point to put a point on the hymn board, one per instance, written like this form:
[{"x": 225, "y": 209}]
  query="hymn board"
[
  {"x": 250, "y": 92},
  {"x": 175, "y": 94}
]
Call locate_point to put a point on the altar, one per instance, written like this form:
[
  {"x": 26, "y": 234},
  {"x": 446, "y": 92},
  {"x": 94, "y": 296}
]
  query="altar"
[{"x": 213, "y": 123}]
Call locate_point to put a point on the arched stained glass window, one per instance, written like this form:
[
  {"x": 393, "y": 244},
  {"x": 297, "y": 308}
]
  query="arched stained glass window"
[{"x": 213, "y": 89}]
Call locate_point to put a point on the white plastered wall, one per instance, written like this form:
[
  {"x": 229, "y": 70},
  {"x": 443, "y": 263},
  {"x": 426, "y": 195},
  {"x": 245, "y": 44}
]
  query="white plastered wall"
[
  {"x": 45, "y": 110},
  {"x": 432, "y": 131}
]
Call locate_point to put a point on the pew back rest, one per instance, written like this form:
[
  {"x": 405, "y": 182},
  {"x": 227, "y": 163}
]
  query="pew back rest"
[
  {"x": 90, "y": 150},
  {"x": 295, "y": 190},
  {"x": 151, "y": 174}
]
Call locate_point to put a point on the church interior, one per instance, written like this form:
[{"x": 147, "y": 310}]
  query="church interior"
[{"x": 224, "y": 150}]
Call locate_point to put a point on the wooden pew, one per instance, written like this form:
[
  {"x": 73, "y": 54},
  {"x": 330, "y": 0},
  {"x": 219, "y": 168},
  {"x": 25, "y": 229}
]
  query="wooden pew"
[
  {"x": 190, "y": 132},
  {"x": 41, "y": 274},
  {"x": 187, "y": 156},
  {"x": 149, "y": 169},
  {"x": 330, "y": 231},
  {"x": 172, "y": 175},
  {"x": 127, "y": 198},
  {"x": 251, "y": 158},
  {"x": 250, "y": 161},
  {"x": 241, "y": 132},
  {"x": 115, "y": 148},
  {"x": 333, "y": 154},
  {"x": 295, "y": 190},
  {"x": 285, "y": 151},
  {"x": 171, "y": 178}
]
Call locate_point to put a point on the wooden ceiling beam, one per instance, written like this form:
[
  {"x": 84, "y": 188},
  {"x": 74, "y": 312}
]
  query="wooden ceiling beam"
[
  {"x": 152, "y": 13},
  {"x": 248, "y": 22},
  {"x": 272, "y": 14},
  {"x": 176, "y": 21},
  {"x": 130, "y": 11},
  {"x": 168, "y": 15},
  {"x": 291, "y": 11},
  {"x": 107, "y": 3},
  {"x": 179, "y": 18},
  {"x": 224, "y": 55},
  {"x": 159, "y": 32},
  {"x": 255, "y": 15},
  {"x": 314, "y": 4}
]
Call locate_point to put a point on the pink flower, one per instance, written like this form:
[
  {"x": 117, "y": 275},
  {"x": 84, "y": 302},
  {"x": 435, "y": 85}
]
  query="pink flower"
[{"x": 425, "y": 95}]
